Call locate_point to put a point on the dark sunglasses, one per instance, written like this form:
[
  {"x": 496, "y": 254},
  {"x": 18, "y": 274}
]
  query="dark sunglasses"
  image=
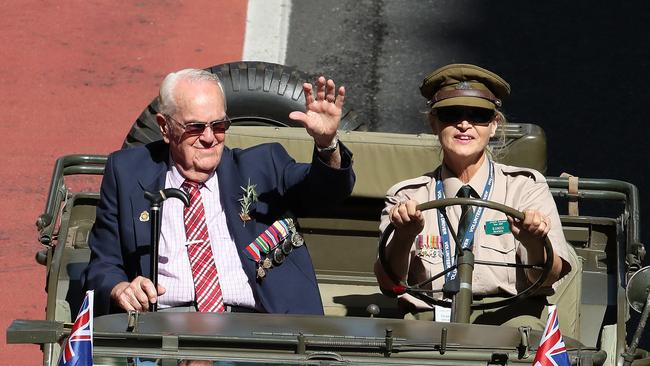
[
  {"x": 469, "y": 114},
  {"x": 197, "y": 128}
]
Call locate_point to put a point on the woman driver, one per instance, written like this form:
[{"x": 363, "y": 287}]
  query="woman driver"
[{"x": 465, "y": 102}]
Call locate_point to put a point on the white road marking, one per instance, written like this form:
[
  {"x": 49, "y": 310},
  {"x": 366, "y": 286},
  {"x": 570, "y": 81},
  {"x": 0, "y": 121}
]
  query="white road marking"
[{"x": 267, "y": 29}]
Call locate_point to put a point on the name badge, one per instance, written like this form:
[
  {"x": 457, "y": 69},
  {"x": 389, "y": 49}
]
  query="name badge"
[
  {"x": 442, "y": 315},
  {"x": 498, "y": 227}
]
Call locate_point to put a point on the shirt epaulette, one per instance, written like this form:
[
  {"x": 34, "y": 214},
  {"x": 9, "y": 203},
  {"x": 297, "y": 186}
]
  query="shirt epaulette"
[
  {"x": 409, "y": 183},
  {"x": 516, "y": 170}
]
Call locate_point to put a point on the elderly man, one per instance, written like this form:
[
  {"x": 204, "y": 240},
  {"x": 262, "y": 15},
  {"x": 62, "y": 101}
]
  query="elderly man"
[{"x": 215, "y": 255}]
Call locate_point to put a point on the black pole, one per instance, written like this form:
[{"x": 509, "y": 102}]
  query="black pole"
[
  {"x": 153, "y": 258},
  {"x": 156, "y": 199}
]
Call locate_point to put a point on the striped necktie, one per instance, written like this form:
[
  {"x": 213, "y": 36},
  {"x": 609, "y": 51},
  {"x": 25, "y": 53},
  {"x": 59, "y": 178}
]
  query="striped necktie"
[{"x": 209, "y": 297}]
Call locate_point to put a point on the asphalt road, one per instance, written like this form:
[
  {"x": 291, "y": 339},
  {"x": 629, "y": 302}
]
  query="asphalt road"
[{"x": 579, "y": 69}]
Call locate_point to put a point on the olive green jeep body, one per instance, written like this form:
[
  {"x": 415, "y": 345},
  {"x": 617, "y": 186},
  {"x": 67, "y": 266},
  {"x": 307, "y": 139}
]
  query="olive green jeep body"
[{"x": 343, "y": 245}]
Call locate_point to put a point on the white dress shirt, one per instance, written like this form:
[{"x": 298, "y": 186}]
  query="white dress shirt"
[{"x": 174, "y": 270}]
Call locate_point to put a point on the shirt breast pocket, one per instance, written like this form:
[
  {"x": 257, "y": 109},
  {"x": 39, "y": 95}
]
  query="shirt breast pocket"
[
  {"x": 498, "y": 249},
  {"x": 431, "y": 258}
]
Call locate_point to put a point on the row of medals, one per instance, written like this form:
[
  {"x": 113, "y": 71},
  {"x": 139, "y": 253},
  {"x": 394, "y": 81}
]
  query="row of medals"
[{"x": 276, "y": 256}]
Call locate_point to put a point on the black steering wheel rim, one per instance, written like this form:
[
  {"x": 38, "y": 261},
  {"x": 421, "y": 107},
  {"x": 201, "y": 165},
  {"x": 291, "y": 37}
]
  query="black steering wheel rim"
[{"x": 400, "y": 287}]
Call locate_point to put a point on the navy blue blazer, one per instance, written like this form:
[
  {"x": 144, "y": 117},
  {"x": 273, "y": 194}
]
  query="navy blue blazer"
[{"x": 120, "y": 241}]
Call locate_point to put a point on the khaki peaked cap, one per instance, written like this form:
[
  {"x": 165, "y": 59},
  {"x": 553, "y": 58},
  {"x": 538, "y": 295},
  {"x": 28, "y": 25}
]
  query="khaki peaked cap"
[{"x": 465, "y": 85}]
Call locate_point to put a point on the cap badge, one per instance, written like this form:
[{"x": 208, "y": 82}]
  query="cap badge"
[{"x": 463, "y": 85}]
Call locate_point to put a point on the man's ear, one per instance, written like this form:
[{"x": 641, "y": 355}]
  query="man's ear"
[{"x": 164, "y": 128}]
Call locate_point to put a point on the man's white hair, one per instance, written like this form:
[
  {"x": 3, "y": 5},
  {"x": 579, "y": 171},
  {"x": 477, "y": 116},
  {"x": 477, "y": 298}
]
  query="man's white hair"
[{"x": 168, "y": 86}]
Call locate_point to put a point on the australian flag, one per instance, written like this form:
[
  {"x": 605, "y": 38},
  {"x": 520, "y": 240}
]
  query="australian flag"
[
  {"x": 551, "y": 351},
  {"x": 78, "y": 348}
]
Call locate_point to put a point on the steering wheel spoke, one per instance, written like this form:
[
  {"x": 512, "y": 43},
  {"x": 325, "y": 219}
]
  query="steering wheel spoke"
[{"x": 512, "y": 265}]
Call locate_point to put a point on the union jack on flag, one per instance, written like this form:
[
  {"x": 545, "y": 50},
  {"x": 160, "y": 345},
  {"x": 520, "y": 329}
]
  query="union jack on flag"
[
  {"x": 78, "y": 348},
  {"x": 551, "y": 351}
]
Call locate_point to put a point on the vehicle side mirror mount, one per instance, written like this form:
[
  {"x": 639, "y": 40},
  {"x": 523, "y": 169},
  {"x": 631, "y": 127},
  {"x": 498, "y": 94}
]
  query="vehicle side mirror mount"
[{"x": 638, "y": 296}]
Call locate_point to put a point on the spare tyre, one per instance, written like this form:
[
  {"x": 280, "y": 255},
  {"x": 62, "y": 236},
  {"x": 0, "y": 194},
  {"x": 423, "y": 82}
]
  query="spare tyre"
[{"x": 257, "y": 93}]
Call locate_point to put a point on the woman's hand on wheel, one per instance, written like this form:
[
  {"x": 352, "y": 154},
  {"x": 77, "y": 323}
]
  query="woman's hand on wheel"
[
  {"x": 534, "y": 226},
  {"x": 407, "y": 219}
]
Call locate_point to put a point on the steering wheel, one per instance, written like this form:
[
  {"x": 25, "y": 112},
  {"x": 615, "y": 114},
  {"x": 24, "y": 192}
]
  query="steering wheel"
[{"x": 418, "y": 290}]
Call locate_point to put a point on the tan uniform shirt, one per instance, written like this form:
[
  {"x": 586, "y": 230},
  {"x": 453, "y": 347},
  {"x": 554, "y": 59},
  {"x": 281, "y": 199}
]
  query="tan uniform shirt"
[{"x": 520, "y": 188}]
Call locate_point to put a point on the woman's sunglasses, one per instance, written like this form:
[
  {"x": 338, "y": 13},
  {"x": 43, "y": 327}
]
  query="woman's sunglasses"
[{"x": 469, "y": 114}]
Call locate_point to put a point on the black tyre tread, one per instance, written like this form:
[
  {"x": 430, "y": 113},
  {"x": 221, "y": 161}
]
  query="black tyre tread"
[{"x": 257, "y": 93}]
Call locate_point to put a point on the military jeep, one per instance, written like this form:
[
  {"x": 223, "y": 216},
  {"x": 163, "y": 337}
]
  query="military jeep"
[{"x": 361, "y": 325}]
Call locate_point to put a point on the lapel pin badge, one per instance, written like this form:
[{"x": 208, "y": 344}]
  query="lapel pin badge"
[{"x": 144, "y": 216}]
